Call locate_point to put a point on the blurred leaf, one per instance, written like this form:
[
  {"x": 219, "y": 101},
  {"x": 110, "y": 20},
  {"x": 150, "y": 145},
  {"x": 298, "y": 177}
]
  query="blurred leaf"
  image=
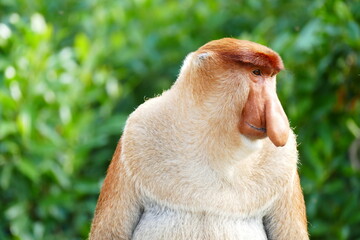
[
  {"x": 5, "y": 177},
  {"x": 28, "y": 169},
  {"x": 309, "y": 36},
  {"x": 82, "y": 46}
]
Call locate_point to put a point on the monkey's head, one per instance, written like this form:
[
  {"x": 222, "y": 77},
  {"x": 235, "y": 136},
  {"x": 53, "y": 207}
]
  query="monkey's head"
[{"x": 240, "y": 77}]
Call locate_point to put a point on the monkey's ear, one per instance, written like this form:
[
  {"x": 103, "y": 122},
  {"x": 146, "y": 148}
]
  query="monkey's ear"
[{"x": 202, "y": 56}]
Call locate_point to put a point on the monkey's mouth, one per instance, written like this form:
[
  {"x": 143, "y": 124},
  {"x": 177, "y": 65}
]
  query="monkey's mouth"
[{"x": 256, "y": 128}]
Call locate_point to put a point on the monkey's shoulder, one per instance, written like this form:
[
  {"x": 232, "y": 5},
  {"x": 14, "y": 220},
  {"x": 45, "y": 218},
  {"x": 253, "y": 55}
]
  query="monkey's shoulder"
[{"x": 150, "y": 114}]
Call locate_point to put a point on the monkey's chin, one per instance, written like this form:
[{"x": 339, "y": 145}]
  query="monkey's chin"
[{"x": 250, "y": 143}]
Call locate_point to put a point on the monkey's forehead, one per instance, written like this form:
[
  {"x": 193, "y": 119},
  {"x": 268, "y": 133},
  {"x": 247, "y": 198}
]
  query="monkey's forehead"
[{"x": 244, "y": 51}]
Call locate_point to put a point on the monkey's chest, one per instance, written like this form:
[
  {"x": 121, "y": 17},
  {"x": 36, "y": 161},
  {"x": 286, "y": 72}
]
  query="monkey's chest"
[{"x": 159, "y": 223}]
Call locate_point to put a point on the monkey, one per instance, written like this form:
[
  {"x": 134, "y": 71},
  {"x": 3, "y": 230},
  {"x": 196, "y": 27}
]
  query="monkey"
[{"x": 213, "y": 157}]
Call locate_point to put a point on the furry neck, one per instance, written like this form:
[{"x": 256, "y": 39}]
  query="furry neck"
[{"x": 210, "y": 124}]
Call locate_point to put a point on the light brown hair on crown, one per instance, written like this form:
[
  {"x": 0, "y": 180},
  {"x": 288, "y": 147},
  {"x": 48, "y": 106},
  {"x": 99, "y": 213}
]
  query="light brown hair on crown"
[{"x": 246, "y": 52}]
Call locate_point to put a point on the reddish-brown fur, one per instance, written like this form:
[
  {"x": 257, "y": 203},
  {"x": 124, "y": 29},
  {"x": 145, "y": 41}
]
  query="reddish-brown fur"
[
  {"x": 107, "y": 222},
  {"x": 288, "y": 211},
  {"x": 245, "y": 52}
]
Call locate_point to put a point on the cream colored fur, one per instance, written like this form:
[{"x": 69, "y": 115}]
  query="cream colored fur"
[{"x": 186, "y": 173}]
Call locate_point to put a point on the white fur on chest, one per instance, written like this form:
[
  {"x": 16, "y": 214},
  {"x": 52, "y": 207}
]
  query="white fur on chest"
[
  {"x": 186, "y": 181},
  {"x": 159, "y": 223}
]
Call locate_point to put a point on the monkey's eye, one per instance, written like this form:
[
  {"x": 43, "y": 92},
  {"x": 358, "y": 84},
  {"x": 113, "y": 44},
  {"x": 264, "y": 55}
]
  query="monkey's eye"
[{"x": 257, "y": 72}]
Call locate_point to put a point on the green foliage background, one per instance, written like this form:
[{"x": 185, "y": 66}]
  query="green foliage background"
[{"x": 71, "y": 71}]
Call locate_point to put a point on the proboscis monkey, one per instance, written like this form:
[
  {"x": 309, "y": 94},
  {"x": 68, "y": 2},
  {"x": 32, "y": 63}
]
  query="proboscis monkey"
[{"x": 213, "y": 158}]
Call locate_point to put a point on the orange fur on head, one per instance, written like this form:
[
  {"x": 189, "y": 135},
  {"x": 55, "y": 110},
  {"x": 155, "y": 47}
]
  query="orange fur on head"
[{"x": 247, "y": 52}]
